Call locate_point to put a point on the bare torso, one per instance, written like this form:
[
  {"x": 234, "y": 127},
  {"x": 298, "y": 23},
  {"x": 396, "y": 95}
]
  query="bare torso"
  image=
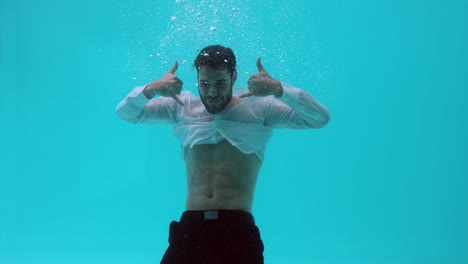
[{"x": 219, "y": 176}]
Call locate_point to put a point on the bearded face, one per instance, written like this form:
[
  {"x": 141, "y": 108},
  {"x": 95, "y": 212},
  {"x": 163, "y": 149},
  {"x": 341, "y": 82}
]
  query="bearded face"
[{"x": 215, "y": 88}]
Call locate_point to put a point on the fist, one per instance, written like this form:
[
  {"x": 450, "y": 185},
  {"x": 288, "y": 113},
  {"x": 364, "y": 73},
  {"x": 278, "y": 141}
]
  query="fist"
[{"x": 262, "y": 84}]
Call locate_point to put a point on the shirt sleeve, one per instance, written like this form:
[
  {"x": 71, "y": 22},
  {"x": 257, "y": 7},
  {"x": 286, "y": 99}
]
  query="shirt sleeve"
[
  {"x": 295, "y": 109},
  {"x": 136, "y": 108}
]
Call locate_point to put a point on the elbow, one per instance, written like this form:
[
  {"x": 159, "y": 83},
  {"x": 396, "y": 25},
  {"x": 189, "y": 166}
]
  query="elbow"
[
  {"x": 321, "y": 120},
  {"x": 128, "y": 119},
  {"x": 326, "y": 118}
]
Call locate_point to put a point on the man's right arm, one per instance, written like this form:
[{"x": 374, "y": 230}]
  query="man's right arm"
[{"x": 137, "y": 108}]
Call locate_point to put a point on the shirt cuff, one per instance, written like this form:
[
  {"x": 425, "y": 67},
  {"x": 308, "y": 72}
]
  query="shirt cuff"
[
  {"x": 290, "y": 94},
  {"x": 138, "y": 97}
]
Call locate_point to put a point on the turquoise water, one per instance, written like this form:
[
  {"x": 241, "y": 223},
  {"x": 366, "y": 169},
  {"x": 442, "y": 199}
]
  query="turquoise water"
[{"x": 384, "y": 182}]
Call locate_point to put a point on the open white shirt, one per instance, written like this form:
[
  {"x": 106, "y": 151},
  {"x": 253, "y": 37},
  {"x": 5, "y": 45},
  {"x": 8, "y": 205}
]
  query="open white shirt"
[{"x": 247, "y": 125}]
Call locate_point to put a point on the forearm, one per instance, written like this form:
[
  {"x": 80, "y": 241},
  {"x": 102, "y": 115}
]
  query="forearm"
[
  {"x": 131, "y": 108},
  {"x": 137, "y": 108},
  {"x": 311, "y": 112}
]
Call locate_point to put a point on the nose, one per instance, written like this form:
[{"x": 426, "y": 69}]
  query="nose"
[{"x": 212, "y": 91}]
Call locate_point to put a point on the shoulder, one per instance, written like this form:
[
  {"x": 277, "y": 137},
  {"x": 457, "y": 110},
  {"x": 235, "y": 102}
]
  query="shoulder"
[
  {"x": 187, "y": 96},
  {"x": 239, "y": 91},
  {"x": 190, "y": 100}
]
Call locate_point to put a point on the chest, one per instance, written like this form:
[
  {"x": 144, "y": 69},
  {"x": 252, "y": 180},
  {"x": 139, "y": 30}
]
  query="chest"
[
  {"x": 221, "y": 156},
  {"x": 245, "y": 111}
]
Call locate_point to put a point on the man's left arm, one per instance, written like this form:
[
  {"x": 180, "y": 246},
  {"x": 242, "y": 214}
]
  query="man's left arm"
[
  {"x": 292, "y": 108},
  {"x": 295, "y": 108}
]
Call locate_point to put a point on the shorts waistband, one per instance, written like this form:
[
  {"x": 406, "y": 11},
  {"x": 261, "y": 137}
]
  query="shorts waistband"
[{"x": 209, "y": 215}]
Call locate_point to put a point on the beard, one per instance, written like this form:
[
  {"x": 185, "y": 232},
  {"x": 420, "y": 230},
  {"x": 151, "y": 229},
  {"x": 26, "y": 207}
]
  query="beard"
[{"x": 216, "y": 104}]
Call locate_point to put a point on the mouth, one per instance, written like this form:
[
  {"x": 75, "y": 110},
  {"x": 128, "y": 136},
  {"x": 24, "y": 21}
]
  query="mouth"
[{"x": 213, "y": 100}]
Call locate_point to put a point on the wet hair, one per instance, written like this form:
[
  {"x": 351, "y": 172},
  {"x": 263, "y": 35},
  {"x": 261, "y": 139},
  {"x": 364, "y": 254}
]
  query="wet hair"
[{"x": 216, "y": 56}]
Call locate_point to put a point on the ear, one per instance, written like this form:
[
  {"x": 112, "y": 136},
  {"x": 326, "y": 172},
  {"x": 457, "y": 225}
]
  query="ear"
[{"x": 234, "y": 76}]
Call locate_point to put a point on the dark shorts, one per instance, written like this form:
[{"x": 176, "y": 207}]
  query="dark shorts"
[{"x": 214, "y": 237}]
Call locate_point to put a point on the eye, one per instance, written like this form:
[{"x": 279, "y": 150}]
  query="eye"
[
  {"x": 221, "y": 84},
  {"x": 205, "y": 84}
]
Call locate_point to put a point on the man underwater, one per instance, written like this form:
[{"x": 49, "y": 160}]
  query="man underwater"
[{"x": 223, "y": 138}]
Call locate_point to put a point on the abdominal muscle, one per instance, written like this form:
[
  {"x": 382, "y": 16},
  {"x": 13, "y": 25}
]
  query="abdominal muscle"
[{"x": 219, "y": 176}]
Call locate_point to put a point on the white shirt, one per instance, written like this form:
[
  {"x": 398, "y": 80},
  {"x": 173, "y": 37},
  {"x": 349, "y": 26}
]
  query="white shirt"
[{"x": 247, "y": 125}]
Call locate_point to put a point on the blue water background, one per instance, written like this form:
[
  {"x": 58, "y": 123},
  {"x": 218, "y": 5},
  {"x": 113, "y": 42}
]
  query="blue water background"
[{"x": 384, "y": 182}]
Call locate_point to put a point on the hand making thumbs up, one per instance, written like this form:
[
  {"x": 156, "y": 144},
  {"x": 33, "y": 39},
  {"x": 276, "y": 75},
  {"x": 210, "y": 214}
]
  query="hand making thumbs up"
[
  {"x": 169, "y": 85},
  {"x": 262, "y": 84}
]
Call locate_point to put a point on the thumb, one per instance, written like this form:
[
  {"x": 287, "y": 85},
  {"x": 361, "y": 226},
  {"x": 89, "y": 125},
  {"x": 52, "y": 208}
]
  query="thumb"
[
  {"x": 174, "y": 68},
  {"x": 176, "y": 98},
  {"x": 248, "y": 94},
  {"x": 259, "y": 65}
]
